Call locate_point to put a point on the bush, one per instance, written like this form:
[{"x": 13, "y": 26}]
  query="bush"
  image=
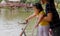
[{"x": 0, "y": 0}]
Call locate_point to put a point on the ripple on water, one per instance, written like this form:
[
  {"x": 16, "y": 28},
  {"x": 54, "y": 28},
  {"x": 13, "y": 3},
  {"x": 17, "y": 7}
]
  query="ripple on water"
[{"x": 10, "y": 28}]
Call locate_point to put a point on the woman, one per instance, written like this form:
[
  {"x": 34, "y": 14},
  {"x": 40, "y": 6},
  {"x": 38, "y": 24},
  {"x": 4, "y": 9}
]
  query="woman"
[
  {"x": 51, "y": 11},
  {"x": 54, "y": 24}
]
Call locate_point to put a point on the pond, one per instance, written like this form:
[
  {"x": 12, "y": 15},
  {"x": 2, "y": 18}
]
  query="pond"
[{"x": 9, "y": 19}]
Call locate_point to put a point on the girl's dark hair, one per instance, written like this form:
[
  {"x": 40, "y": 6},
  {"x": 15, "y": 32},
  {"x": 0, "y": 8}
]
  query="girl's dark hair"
[{"x": 38, "y": 6}]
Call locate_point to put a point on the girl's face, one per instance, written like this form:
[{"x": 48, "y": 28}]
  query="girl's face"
[{"x": 35, "y": 9}]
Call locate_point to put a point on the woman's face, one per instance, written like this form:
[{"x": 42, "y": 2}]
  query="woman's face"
[
  {"x": 35, "y": 9},
  {"x": 43, "y": 1}
]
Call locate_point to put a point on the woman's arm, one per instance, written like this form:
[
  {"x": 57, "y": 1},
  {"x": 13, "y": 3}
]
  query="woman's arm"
[{"x": 48, "y": 18}]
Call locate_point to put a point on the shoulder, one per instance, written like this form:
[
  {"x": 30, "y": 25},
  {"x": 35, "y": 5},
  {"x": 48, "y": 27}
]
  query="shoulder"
[{"x": 42, "y": 12}]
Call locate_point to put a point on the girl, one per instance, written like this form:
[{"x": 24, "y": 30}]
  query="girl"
[{"x": 43, "y": 25}]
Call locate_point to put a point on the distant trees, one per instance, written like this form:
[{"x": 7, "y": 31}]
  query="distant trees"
[
  {"x": 23, "y": 1},
  {"x": 0, "y": 0},
  {"x": 34, "y": 1},
  {"x": 29, "y": 1},
  {"x": 57, "y": 2}
]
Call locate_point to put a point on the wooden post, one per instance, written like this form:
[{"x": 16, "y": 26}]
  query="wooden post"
[{"x": 23, "y": 32}]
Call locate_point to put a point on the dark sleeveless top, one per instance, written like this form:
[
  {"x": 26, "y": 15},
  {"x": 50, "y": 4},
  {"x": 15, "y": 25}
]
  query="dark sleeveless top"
[{"x": 55, "y": 19}]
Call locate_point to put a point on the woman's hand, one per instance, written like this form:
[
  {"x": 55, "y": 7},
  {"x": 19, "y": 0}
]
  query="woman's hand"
[{"x": 50, "y": 31}]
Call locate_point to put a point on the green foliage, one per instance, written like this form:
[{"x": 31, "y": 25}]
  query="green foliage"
[
  {"x": 0, "y": 0},
  {"x": 23, "y": 1},
  {"x": 32, "y": 1},
  {"x": 36, "y": 1},
  {"x": 58, "y": 1}
]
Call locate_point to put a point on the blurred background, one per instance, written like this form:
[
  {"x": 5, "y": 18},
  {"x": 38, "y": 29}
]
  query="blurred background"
[{"x": 14, "y": 11}]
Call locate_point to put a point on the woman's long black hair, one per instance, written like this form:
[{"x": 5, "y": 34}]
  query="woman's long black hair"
[
  {"x": 51, "y": 2},
  {"x": 51, "y": 7}
]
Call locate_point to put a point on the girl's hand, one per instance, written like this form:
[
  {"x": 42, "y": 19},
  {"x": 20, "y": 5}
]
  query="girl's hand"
[
  {"x": 26, "y": 21},
  {"x": 36, "y": 26}
]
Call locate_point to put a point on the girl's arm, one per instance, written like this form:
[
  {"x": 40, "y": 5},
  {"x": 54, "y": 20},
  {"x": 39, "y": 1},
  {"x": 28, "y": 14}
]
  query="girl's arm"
[
  {"x": 31, "y": 16},
  {"x": 40, "y": 18}
]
